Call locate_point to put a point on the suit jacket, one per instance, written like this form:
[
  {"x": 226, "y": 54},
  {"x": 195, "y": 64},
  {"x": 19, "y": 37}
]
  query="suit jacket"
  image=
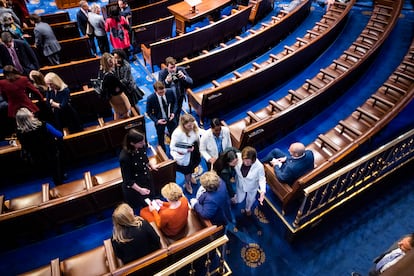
[
  {"x": 5, "y": 58},
  {"x": 153, "y": 105},
  {"x": 208, "y": 146},
  {"x": 45, "y": 39},
  {"x": 82, "y": 21},
  {"x": 180, "y": 86},
  {"x": 292, "y": 169},
  {"x": 26, "y": 55},
  {"x": 16, "y": 95}
]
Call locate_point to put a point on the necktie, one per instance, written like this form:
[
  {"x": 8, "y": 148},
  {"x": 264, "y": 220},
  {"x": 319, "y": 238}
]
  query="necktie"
[
  {"x": 388, "y": 258},
  {"x": 165, "y": 106},
  {"x": 15, "y": 59}
]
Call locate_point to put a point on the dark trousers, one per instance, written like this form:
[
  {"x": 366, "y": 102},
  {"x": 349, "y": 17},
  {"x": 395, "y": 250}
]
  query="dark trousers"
[
  {"x": 171, "y": 125},
  {"x": 103, "y": 44}
]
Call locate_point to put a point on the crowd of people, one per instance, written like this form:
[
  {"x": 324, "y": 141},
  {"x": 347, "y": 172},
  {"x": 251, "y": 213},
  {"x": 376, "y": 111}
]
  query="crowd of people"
[{"x": 233, "y": 176}]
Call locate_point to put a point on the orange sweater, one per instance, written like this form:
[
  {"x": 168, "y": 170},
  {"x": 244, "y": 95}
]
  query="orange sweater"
[{"x": 170, "y": 221}]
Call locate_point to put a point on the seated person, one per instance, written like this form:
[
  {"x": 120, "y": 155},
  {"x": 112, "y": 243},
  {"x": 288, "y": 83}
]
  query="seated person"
[
  {"x": 392, "y": 255},
  {"x": 132, "y": 236},
  {"x": 171, "y": 218},
  {"x": 213, "y": 203},
  {"x": 290, "y": 168}
]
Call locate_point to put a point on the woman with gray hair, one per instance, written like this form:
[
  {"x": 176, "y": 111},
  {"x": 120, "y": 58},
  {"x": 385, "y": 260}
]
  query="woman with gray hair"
[{"x": 97, "y": 22}]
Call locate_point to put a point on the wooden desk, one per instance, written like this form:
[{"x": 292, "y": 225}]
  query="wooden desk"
[{"x": 184, "y": 16}]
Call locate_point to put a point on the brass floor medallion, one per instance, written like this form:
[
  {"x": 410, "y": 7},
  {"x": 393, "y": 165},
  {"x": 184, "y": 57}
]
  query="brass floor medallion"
[{"x": 253, "y": 255}]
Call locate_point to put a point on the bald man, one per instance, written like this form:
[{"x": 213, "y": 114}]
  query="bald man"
[{"x": 289, "y": 168}]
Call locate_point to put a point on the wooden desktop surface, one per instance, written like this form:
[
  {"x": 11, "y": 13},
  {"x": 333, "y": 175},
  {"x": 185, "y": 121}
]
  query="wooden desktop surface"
[{"x": 184, "y": 15}]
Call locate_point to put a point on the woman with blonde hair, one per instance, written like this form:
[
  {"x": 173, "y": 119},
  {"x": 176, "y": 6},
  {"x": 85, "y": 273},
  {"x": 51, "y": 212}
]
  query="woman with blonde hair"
[
  {"x": 38, "y": 80},
  {"x": 171, "y": 216},
  {"x": 113, "y": 89},
  {"x": 58, "y": 101},
  {"x": 184, "y": 148},
  {"x": 132, "y": 236}
]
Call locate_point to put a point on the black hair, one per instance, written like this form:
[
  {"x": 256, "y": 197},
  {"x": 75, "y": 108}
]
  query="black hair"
[
  {"x": 224, "y": 159},
  {"x": 133, "y": 136},
  {"x": 215, "y": 122}
]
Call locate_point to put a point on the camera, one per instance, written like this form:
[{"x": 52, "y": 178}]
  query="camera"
[{"x": 175, "y": 77}]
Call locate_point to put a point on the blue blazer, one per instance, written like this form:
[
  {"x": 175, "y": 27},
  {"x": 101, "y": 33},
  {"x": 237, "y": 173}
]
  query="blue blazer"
[
  {"x": 154, "y": 108},
  {"x": 292, "y": 169}
]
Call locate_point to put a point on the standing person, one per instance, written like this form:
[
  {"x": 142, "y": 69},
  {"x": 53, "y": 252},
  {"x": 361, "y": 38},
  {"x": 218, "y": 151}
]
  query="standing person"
[
  {"x": 214, "y": 141},
  {"x": 135, "y": 168},
  {"x": 113, "y": 89},
  {"x": 38, "y": 80},
  {"x": 82, "y": 18},
  {"x": 289, "y": 168},
  {"x": 184, "y": 148},
  {"x": 161, "y": 108},
  {"x": 98, "y": 24},
  {"x": 45, "y": 40},
  {"x": 250, "y": 179},
  {"x": 117, "y": 26},
  {"x": 124, "y": 74},
  {"x": 171, "y": 218},
  {"x": 41, "y": 142},
  {"x": 214, "y": 203},
  {"x": 15, "y": 88},
  {"x": 58, "y": 100},
  {"x": 20, "y": 9},
  {"x": 23, "y": 57},
  {"x": 225, "y": 168},
  {"x": 176, "y": 77},
  {"x": 132, "y": 236}
]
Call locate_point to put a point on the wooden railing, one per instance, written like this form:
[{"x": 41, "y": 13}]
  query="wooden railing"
[
  {"x": 334, "y": 190},
  {"x": 339, "y": 143}
]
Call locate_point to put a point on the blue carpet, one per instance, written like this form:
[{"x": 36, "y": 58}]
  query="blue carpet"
[{"x": 344, "y": 242}]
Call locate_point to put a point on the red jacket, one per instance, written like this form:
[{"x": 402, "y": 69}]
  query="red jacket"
[{"x": 16, "y": 94}]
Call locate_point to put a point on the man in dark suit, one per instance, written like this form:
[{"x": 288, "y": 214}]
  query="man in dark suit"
[
  {"x": 392, "y": 255},
  {"x": 5, "y": 58},
  {"x": 290, "y": 168},
  {"x": 177, "y": 78},
  {"x": 161, "y": 108},
  {"x": 23, "y": 57},
  {"x": 82, "y": 18}
]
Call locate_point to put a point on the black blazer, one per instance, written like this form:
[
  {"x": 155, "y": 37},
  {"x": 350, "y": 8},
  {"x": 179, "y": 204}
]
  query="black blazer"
[
  {"x": 82, "y": 21},
  {"x": 154, "y": 108},
  {"x": 26, "y": 55}
]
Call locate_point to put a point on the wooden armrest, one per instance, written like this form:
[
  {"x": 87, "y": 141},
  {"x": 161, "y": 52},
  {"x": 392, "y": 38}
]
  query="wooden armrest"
[
  {"x": 367, "y": 113},
  {"x": 312, "y": 33},
  {"x": 289, "y": 49},
  {"x": 404, "y": 76},
  {"x": 328, "y": 73},
  {"x": 390, "y": 86},
  {"x": 253, "y": 116},
  {"x": 45, "y": 192},
  {"x": 301, "y": 41},
  {"x": 275, "y": 105},
  {"x": 237, "y": 74},
  {"x": 256, "y": 65},
  {"x": 294, "y": 94},
  {"x": 312, "y": 83},
  {"x": 345, "y": 124},
  {"x": 378, "y": 98},
  {"x": 273, "y": 57},
  {"x": 329, "y": 142},
  {"x": 215, "y": 83}
]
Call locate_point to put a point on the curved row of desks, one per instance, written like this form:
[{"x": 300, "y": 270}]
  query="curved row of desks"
[
  {"x": 298, "y": 106},
  {"x": 338, "y": 144},
  {"x": 222, "y": 96}
]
